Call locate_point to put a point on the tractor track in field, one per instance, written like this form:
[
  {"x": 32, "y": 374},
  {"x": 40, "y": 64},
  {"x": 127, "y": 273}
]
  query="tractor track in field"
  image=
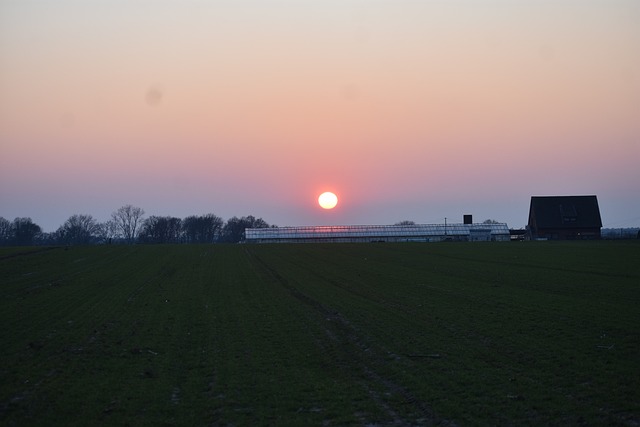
[
  {"x": 29, "y": 252},
  {"x": 352, "y": 352}
]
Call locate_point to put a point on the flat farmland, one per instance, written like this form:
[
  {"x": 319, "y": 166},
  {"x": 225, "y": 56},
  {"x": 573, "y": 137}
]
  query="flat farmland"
[{"x": 527, "y": 333}]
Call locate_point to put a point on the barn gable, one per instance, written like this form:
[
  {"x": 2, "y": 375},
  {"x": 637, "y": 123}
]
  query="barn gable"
[{"x": 564, "y": 217}]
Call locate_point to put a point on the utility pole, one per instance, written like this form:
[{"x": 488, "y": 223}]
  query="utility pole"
[{"x": 445, "y": 225}]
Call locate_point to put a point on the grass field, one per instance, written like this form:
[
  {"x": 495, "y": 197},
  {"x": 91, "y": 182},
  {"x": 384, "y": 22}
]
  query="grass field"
[{"x": 528, "y": 333}]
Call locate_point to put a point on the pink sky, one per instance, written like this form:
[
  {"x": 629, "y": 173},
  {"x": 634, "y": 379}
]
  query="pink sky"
[{"x": 415, "y": 110}]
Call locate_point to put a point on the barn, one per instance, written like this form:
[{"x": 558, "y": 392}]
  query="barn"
[
  {"x": 564, "y": 218},
  {"x": 379, "y": 233}
]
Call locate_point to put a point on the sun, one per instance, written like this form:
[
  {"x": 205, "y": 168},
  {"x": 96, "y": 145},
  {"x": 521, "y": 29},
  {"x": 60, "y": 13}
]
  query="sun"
[{"x": 328, "y": 200}]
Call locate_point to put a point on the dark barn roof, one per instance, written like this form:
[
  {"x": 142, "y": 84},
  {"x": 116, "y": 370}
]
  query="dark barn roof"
[{"x": 564, "y": 212}]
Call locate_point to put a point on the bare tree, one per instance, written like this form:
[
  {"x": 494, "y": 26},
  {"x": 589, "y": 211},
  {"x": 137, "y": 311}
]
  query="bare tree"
[
  {"x": 79, "y": 230},
  {"x": 202, "y": 229},
  {"x": 212, "y": 227},
  {"x": 128, "y": 220},
  {"x": 405, "y": 222},
  {"x": 6, "y": 231},
  {"x": 233, "y": 230},
  {"x": 491, "y": 221},
  {"x": 24, "y": 231},
  {"x": 108, "y": 231},
  {"x": 161, "y": 229}
]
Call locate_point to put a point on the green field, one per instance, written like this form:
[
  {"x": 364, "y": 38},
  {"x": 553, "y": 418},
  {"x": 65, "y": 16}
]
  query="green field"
[{"x": 533, "y": 333}]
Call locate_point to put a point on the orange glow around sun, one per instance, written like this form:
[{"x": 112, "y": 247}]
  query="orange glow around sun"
[{"x": 328, "y": 200}]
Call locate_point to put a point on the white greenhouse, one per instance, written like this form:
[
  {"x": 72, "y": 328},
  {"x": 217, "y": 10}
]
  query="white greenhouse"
[{"x": 379, "y": 233}]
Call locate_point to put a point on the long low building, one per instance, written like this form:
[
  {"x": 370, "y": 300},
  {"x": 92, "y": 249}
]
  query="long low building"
[{"x": 379, "y": 233}]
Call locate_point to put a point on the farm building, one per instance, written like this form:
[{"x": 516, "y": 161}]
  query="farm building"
[
  {"x": 379, "y": 233},
  {"x": 564, "y": 218}
]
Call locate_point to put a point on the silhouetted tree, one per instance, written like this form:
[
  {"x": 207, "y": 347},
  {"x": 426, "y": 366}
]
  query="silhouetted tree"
[
  {"x": 79, "y": 230},
  {"x": 405, "y": 222},
  {"x": 491, "y": 221},
  {"x": 6, "y": 231},
  {"x": 47, "y": 239},
  {"x": 128, "y": 220},
  {"x": 24, "y": 231},
  {"x": 233, "y": 230},
  {"x": 107, "y": 231},
  {"x": 202, "y": 229},
  {"x": 161, "y": 229}
]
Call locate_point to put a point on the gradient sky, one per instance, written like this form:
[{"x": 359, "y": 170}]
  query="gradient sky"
[{"x": 407, "y": 110}]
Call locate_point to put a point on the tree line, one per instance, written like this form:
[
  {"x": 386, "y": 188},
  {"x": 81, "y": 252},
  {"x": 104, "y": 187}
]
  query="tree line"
[{"x": 129, "y": 225}]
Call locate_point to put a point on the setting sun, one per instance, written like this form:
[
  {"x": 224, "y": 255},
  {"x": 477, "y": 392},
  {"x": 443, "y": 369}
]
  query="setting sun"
[{"x": 328, "y": 200}]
